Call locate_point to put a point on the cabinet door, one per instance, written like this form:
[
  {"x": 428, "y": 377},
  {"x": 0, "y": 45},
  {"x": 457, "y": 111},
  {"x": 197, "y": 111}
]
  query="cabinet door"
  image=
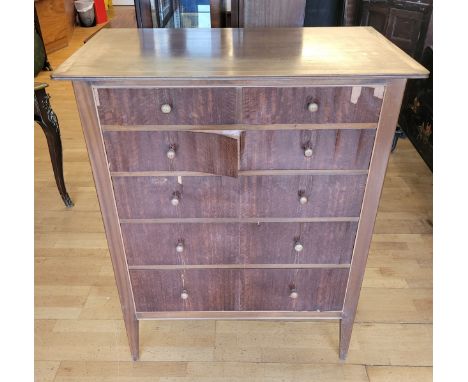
[
  {"x": 375, "y": 16},
  {"x": 404, "y": 28}
]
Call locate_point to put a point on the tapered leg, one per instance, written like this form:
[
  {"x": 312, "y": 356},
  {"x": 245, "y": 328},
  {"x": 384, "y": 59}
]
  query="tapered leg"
[
  {"x": 47, "y": 119},
  {"x": 346, "y": 328},
  {"x": 133, "y": 334}
]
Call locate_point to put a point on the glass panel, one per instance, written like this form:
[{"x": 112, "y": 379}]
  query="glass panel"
[{"x": 181, "y": 13}]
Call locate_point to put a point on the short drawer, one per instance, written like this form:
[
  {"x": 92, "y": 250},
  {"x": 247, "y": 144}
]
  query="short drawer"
[
  {"x": 205, "y": 290},
  {"x": 181, "y": 244},
  {"x": 297, "y": 243},
  {"x": 310, "y": 105},
  {"x": 234, "y": 243},
  {"x": 347, "y": 149},
  {"x": 166, "y": 106},
  {"x": 293, "y": 289},
  {"x": 239, "y": 289},
  {"x": 302, "y": 196},
  {"x": 133, "y": 151},
  {"x": 149, "y": 197}
]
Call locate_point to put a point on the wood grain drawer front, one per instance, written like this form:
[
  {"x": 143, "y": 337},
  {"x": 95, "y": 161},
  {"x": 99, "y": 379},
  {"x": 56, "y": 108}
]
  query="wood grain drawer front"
[
  {"x": 187, "y": 106},
  {"x": 148, "y": 197},
  {"x": 317, "y": 289},
  {"x": 279, "y": 196},
  {"x": 233, "y": 243},
  {"x": 132, "y": 151},
  {"x": 239, "y": 289},
  {"x": 307, "y": 149},
  {"x": 277, "y": 243},
  {"x": 207, "y": 289},
  {"x": 181, "y": 244},
  {"x": 291, "y": 105}
]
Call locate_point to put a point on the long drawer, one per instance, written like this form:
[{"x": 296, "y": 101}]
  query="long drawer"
[
  {"x": 137, "y": 151},
  {"x": 346, "y": 149},
  {"x": 239, "y": 289},
  {"x": 234, "y": 243},
  {"x": 217, "y": 106},
  {"x": 146, "y": 197}
]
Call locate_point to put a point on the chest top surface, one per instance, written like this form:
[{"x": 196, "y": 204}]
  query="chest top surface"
[{"x": 220, "y": 53}]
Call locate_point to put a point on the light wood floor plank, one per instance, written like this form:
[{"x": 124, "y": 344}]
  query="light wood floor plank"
[
  {"x": 406, "y": 374},
  {"x": 73, "y": 371},
  {"x": 45, "y": 371}
]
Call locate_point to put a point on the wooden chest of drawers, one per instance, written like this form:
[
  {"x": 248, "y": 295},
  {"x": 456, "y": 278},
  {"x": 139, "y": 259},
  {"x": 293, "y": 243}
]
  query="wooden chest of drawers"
[{"x": 239, "y": 172}]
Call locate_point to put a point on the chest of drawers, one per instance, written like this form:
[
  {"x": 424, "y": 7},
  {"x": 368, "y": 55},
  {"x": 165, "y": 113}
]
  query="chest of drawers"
[{"x": 239, "y": 172}]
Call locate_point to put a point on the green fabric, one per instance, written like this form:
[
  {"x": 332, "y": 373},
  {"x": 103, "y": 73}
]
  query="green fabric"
[{"x": 39, "y": 53}]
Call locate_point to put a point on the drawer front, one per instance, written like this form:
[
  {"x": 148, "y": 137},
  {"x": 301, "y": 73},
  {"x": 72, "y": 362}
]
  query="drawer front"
[
  {"x": 207, "y": 289},
  {"x": 298, "y": 243},
  {"x": 307, "y": 149},
  {"x": 232, "y": 243},
  {"x": 279, "y": 196},
  {"x": 146, "y": 197},
  {"x": 129, "y": 151},
  {"x": 239, "y": 289},
  {"x": 317, "y": 289},
  {"x": 188, "y": 106},
  {"x": 149, "y": 197},
  {"x": 180, "y": 244},
  {"x": 291, "y": 105}
]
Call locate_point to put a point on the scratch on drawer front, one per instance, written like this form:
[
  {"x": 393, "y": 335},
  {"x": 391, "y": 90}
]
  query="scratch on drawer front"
[
  {"x": 379, "y": 91},
  {"x": 158, "y": 180},
  {"x": 355, "y": 94},
  {"x": 96, "y": 96},
  {"x": 179, "y": 179},
  {"x": 228, "y": 133}
]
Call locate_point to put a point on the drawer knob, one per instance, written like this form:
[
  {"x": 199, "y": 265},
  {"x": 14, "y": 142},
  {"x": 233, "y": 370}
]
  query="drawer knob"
[
  {"x": 308, "y": 152},
  {"x": 184, "y": 295},
  {"x": 175, "y": 199},
  {"x": 312, "y": 107},
  {"x": 171, "y": 152},
  {"x": 166, "y": 108},
  {"x": 303, "y": 199},
  {"x": 294, "y": 294},
  {"x": 179, "y": 247},
  {"x": 298, "y": 247}
]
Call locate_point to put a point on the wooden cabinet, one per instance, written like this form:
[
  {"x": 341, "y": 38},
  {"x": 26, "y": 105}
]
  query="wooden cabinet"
[
  {"x": 405, "y": 23},
  {"x": 57, "y": 20},
  {"x": 236, "y": 180}
]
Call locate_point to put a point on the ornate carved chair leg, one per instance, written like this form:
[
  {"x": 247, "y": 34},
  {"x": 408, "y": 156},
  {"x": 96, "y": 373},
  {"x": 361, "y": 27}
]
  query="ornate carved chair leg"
[{"x": 47, "y": 119}]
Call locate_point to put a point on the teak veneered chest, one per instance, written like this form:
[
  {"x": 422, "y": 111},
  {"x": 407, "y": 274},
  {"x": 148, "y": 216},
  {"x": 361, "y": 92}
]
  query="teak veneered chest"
[{"x": 239, "y": 170}]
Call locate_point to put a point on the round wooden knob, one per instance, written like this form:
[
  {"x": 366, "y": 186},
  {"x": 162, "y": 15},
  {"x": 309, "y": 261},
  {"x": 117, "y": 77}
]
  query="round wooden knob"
[
  {"x": 171, "y": 153},
  {"x": 294, "y": 294},
  {"x": 312, "y": 107},
  {"x": 166, "y": 108},
  {"x": 179, "y": 247},
  {"x": 298, "y": 247},
  {"x": 303, "y": 199},
  {"x": 308, "y": 152},
  {"x": 184, "y": 295},
  {"x": 175, "y": 199}
]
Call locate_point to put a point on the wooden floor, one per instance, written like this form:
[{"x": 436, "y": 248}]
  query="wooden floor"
[{"x": 80, "y": 334}]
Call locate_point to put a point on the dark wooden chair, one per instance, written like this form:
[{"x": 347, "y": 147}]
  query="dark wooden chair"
[
  {"x": 47, "y": 119},
  {"x": 45, "y": 116}
]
